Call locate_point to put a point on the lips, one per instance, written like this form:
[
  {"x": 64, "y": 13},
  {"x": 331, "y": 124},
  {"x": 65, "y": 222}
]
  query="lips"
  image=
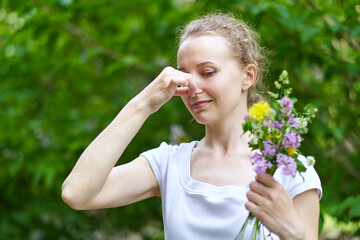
[{"x": 200, "y": 104}]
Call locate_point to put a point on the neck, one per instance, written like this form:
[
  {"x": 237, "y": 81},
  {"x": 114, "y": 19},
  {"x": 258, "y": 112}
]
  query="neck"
[{"x": 227, "y": 135}]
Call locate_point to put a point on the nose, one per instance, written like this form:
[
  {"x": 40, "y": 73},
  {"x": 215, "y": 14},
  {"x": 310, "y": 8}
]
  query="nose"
[
  {"x": 198, "y": 82},
  {"x": 199, "y": 91}
]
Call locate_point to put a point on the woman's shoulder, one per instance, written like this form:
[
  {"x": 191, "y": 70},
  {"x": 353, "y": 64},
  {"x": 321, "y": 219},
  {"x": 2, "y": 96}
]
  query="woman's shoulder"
[
  {"x": 302, "y": 181},
  {"x": 182, "y": 145},
  {"x": 170, "y": 148}
]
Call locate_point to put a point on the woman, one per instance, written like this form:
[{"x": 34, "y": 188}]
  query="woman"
[{"x": 206, "y": 186}]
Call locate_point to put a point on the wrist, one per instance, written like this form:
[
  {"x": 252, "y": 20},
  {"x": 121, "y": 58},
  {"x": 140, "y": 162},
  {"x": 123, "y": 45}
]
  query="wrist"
[
  {"x": 140, "y": 106},
  {"x": 295, "y": 234}
]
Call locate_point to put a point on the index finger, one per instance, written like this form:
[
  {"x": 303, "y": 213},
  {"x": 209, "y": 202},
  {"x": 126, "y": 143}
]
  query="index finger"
[
  {"x": 266, "y": 179},
  {"x": 181, "y": 91},
  {"x": 192, "y": 86}
]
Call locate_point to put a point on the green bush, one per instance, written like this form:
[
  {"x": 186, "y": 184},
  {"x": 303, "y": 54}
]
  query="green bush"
[{"x": 68, "y": 67}]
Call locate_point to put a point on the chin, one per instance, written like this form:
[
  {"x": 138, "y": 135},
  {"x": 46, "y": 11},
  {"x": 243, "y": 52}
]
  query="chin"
[
  {"x": 202, "y": 119},
  {"x": 200, "y": 122}
]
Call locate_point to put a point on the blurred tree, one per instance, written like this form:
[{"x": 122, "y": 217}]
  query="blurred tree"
[{"x": 67, "y": 67}]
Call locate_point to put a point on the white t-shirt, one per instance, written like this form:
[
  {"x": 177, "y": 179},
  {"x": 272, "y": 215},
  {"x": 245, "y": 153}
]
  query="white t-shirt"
[{"x": 199, "y": 210}]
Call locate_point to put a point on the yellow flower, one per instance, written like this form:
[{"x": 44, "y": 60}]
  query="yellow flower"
[
  {"x": 259, "y": 110},
  {"x": 291, "y": 151},
  {"x": 269, "y": 136}
]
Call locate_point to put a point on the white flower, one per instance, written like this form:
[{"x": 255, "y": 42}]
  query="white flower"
[
  {"x": 257, "y": 129},
  {"x": 310, "y": 160},
  {"x": 302, "y": 122},
  {"x": 256, "y": 125},
  {"x": 253, "y": 139},
  {"x": 271, "y": 114}
]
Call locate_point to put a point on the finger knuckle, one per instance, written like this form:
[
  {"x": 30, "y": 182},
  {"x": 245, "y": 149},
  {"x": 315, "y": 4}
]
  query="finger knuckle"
[
  {"x": 252, "y": 184},
  {"x": 249, "y": 195},
  {"x": 260, "y": 214},
  {"x": 247, "y": 206},
  {"x": 168, "y": 70},
  {"x": 273, "y": 195},
  {"x": 267, "y": 204}
]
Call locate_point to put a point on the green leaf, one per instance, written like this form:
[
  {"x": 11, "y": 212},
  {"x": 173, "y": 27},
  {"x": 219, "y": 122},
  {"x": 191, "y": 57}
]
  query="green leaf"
[
  {"x": 274, "y": 104},
  {"x": 277, "y": 85},
  {"x": 265, "y": 131},
  {"x": 247, "y": 126},
  {"x": 261, "y": 146},
  {"x": 300, "y": 166},
  {"x": 284, "y": 77},
  {"x": 294, "y": 100},
  {"x": 273, "y": 95},
  {"x": 310, "y": 32}
]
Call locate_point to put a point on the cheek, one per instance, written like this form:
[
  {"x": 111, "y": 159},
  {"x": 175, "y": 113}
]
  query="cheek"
[{"x": 185, "y": 100}]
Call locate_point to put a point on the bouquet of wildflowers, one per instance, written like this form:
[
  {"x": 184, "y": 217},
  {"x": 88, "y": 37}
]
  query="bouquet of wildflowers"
[{"x": 275, "y": 133}]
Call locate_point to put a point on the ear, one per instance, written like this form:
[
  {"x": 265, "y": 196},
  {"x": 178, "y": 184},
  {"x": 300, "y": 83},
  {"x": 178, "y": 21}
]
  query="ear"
[{"x": 250, "y": 74}]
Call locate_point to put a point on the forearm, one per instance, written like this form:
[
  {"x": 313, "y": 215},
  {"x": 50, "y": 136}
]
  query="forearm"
[
  {"x": 306, "y": 226},
  {"x": 94, "y": 165},
  {"x": 295, "y": 232}
]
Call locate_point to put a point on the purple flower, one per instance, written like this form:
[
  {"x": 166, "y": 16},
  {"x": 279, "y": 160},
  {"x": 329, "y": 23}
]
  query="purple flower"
[
  {"x": 246, "y": 116},
  {"x": 292, "y": 140},
  {"x": 287, "y": 104},
  {"x": 278, "y": 124},
  {"x": 269, "y": 148},
  {"x": 293, "y": 120},
  {"x": 261, "y": 164},
  {"x": 290, "y": 169},
  {"x": 281, "y": 159},
  {"x": 267, "y": 123},
  {"x": 287, "y": 164}
]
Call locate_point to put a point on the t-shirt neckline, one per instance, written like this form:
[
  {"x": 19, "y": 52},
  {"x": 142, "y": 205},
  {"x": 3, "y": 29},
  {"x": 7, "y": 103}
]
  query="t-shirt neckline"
[{"x": 197, "y": 187}]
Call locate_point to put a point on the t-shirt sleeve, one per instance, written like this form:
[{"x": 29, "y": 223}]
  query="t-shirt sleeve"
[
  {"x": 158, "y": 159},
  {"x": 302, "y": 181}
]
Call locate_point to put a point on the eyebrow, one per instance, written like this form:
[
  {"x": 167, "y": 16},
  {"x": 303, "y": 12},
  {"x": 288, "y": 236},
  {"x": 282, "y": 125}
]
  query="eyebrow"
[
  {"x": 198, "y": 65},
  {"x": 204, "y": 63}
]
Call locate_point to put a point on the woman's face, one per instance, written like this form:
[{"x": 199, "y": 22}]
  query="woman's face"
[{"x": 218, "y": 76}]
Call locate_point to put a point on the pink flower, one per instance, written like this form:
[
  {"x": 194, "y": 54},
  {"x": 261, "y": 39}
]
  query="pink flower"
[
  {"x": 278, "y": 124},
  {"x": 287, "y": 104},
  {"x": 246, "y": 116},
  {"x": 290, "y": 169},
  {"x": 269, "y": 148},
  {"x": 261, "y": 164},
  {"x": 287, "y": 164},
  {"x": 292, "y": 140},
  {"x": 267, "y": 123},
  {"x": 293, "y": 120}
]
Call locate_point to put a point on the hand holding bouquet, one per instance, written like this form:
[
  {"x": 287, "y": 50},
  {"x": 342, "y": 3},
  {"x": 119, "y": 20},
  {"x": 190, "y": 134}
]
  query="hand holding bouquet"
[{"x": 275, "y": 137}]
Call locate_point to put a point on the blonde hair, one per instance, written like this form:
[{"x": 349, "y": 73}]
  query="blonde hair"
[{"x": 243, "y": 40}]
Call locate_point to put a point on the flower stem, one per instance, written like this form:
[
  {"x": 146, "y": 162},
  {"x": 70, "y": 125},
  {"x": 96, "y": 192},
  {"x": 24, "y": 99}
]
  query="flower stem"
[{"x": 255, "y": 233}]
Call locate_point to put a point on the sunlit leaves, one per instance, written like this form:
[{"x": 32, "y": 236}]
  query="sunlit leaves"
[{"x": 68, "y": 67}]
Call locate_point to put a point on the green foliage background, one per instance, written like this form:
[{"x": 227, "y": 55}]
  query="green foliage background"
[{"x": 67, "y": 67}]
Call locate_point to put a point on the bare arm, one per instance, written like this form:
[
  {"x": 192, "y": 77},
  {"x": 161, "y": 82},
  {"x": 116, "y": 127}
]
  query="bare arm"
[
  {"x": 91, "y": 176},
  {"x": 94, "y": 182},
  {"x": 308, "y": 209}
]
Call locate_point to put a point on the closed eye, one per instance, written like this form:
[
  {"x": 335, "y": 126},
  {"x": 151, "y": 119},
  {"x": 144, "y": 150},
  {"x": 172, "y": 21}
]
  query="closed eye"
[{"x": 208, "y": 74}]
